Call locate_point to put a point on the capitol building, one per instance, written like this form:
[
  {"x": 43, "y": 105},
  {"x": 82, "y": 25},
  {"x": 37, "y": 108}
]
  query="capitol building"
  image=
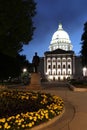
[{"x": 60, "y": 62}]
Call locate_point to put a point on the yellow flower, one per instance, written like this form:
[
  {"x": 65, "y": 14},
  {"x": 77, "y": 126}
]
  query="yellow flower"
[
  {"x": 9, "y": 118},
  {"x": 6, "y": 126},
  {"x": 0, "y": 126},
  {"x": 23, "y": 126},
  {"x": 19, "y": 123},
  {"x": 27, "y": 97},
  {"x": 46, "y": 115},
  {"x": 2, "y": 120},
  {"x": 22, "y": 119},
  {"x": 16, "y": 121},
  {"x": 30, "y": 117},
  {"x": 30, "y": 124},
  {"x": 39, "y": 117},
  {"x": 17, "y": 116},
  {"x": 35, "y": 118}
]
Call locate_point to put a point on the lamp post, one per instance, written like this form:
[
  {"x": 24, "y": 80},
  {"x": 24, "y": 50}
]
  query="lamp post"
[
  {"x": 84, "y": 71},
  {"x": 24, "y": 70},
  {"x": 25, "y": 76}
]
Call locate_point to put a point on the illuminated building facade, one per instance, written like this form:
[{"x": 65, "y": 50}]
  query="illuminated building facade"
[
  {"x": 59, "y": 64},
  {"x": 59, "y": 61}
]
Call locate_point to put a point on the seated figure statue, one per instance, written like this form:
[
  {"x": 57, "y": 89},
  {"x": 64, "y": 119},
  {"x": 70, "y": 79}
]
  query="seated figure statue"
[{"x": 35, "y": 62}]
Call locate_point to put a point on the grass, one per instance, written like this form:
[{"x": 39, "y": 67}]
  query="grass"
[{"x": 20, "y": 110}]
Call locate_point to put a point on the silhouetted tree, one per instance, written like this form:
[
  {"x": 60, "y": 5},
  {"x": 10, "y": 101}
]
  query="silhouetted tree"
[
  {"x": 12, "y": 66},
  {"x": 16, "y": 25},
  {"x": 84, "y": 46}
]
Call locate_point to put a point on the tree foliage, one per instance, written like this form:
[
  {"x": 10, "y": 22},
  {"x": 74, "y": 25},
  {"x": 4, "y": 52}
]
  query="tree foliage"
[
  {"x": 12, "y": 66},
  {"x": 84, "y": 46},
  {"x": 16, "y": 25}
]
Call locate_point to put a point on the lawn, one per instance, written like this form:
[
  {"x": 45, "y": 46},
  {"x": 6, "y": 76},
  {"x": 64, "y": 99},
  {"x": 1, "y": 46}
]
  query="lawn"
[{"x": 21, "y": 110}]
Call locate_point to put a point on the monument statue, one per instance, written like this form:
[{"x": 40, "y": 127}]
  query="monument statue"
[
  {"x": 35, "y": 82},
  {"x": 35, "y": 62}
]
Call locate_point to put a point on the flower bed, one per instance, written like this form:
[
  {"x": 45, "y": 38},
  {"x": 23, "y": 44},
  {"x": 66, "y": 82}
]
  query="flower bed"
[{"x": 20, "y": 110}]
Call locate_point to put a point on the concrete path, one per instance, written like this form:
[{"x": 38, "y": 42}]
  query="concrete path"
[{"x": 75, "y": 116}]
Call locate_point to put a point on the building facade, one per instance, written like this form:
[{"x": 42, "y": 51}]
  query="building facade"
[
  {"x": 59, "y": 65},
  {"x": 60, "y": 62}
]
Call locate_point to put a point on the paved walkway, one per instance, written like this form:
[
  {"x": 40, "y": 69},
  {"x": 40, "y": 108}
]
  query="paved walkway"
[{"x": 75, "y": 116}]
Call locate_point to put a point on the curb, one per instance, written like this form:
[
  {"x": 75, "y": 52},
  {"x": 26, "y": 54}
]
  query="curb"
[
  {"x": 78, "y": 89},
  {"x": 48, "y": 122}
]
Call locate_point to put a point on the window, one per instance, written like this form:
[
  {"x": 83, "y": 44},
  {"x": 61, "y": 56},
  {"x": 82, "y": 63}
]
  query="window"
[
  {"x": 64, "y": 66},
  {"x": 69, "y": 59},
  {"x": 69, "y": 66},
  {"x": 54, "y": 60},
  {"x": 49, "y": 66},
  {"x": 58, "y": 66},
  {"x": 58, "y": 60},
  {"x": 64, "y": 60},
  {"x": 54, "y": 66},
  {"x": 49, "y": 60}
]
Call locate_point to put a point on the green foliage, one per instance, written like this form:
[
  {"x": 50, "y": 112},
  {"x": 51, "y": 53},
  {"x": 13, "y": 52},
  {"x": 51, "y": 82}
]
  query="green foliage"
[
  {"x": 84, "y": 46},
  {"x": 16, "y": 25}
]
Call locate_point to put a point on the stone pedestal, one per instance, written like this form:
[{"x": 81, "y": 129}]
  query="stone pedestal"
[{"x": 35, "y": 83}]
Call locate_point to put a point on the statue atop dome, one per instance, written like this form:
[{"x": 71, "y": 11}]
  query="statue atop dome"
[{"x": 60, "y": 27}]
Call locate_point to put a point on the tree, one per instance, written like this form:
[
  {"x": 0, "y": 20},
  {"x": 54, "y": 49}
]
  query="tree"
[
  {"x": 84, "y": 46},
  {"x": 12, "y": 66},
  {"x": 16, "y": 25}
]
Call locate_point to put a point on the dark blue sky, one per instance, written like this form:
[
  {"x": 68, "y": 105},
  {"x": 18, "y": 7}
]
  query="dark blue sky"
[{"x": 71, "y": 13}]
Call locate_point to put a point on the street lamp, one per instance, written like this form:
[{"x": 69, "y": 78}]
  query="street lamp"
[
  {"x": 24, "y": 70},
  {"x": 84, "y": 71}
]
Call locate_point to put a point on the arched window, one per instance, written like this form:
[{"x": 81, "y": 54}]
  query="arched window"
[
  {"x": 64, "y": 59},
  {"x": 64, "y": 66},
  {"x": 58, "y": 60},
  {"x": 69, "y": 66},
  {"x": 53, "y": 59},
  {"x": 54, "y": 66},
  {"x": 59, "y": 66},
  {"x": 49, "y": 66},
  {"x": 69, "y": 59}
]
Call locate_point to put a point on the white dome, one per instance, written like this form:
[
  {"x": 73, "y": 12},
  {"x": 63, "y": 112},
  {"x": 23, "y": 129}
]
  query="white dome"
[
  {"x": 60, "y": 39},
  {"x": 60, "y": 34}
]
